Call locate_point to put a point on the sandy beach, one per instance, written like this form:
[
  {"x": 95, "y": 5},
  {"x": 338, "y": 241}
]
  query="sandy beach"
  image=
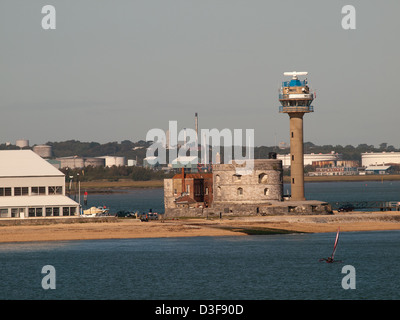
[{"x": 114, "y": 228}]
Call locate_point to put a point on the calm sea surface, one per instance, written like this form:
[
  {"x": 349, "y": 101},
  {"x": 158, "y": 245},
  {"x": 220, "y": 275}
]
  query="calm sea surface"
[{"x": 243, "y": 267}]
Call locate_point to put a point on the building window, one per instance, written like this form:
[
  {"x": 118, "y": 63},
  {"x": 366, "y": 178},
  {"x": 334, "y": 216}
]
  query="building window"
[
  {"x": 266, "y": 192},
  {"x": 68, "y": 211},
  {"x": 35, "y": 212},
  {"x": 217, "y": 178},
  {"x": 55, "y": 190},
  {"x": 293, "y": 180},
  {"x": 218, "y": 191},
  {"x": 292, "y": 157},
  {"x": 4, "y": 213},
  {"x": 5, "y": 192},
  {"x": 236, "y": 178},
  {"x": 262, "y": 178},
  {"x": 240, "y": 191},
  {"x": 52, "y": 211},
  {"x": 20, "y": 191},
  {"x": 36, "y": 191}
]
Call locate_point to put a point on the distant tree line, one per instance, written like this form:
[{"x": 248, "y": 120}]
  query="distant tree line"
[
  {"x": 137, "y": 151},
  {"x": 115, "y": 173}
]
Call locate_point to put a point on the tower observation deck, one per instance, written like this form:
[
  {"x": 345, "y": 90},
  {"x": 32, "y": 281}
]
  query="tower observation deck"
[{"x": 295, "y": 98}]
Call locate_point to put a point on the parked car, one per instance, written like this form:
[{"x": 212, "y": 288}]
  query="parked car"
[
  {"x": 125, "y": 214},
  {"x": 346, "y": 208}
]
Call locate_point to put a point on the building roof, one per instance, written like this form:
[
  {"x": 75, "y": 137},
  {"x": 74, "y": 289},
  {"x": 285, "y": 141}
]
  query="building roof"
[
  {"x": 25, "y": 163},
  {"x": 184, "y": 199},
  {"x": 37, "y": 201},
  {"x": 380, "y": 168},
  {"x": 186, "y": 159}
]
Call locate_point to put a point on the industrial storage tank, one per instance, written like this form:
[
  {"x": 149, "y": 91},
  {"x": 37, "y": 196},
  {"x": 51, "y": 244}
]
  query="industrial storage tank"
[
  {"x": 22, "y": 143},
  {"x": 114, "y": 161},
  {"x": 94, "y": 162},
  {"x": 80, "y": 162},
  {"x": 43, "y": 150}
]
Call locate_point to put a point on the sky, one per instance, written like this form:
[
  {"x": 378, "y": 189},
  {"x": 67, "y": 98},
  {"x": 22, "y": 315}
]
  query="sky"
[{"x": 113, "y": 70}]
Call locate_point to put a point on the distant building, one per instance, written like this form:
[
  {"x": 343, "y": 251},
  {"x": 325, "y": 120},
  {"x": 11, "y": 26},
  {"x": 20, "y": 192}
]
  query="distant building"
[
  {"x": 151, "y": 162},
  {"x": 334, "y": 171},
  {"x": 22, "y": 143},
  {"x": 80, "y": 162},
  {"x": 32, "y": 187},
  {"x": 114, "y": 161},
  {"x": 187, "y": 162},
  {"x": 131, "y": 163},
  {"x": 310, "y": 158},
  {"x": 380, "y": 169},
  {"x": 189, "y": 190},
  {"x": 43, "y": 150},
  {"x": 379, "y": 158}
]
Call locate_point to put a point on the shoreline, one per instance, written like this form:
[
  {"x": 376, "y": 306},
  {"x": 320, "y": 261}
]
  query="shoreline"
[{"x": 127, "y": 228}]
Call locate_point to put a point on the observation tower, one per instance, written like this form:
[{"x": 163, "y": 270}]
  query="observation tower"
[{"x": 295, "y": 98}]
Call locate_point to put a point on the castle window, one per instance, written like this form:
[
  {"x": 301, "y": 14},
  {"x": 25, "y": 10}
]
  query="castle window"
[
  {"x": 240, "y": 191},
  {"x": 236, "y": 177},
  {"x": 266, "y": 192},
  {"x": 262, "y": 178},
  {"x": 217, "y": 178},
  {"x": 218, "y": 191}
]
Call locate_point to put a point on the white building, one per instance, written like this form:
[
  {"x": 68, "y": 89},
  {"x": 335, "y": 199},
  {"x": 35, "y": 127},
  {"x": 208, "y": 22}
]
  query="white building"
[
  {"x": 379, "y": 158},
  {"x": 32, "y": 187},
  {"x": 310, "y": 157}
]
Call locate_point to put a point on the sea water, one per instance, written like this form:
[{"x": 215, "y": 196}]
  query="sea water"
[{"x": 228, "y": 267}]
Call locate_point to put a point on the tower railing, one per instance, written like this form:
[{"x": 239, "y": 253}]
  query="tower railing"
[{"x": 285, "y": 109}]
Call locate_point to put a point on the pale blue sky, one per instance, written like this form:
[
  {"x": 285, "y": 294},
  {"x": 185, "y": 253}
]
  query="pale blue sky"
[{"x": 112, "y": 70}]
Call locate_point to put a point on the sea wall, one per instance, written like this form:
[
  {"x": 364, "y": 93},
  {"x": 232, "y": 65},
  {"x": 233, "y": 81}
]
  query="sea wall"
[{"x": 245, "y": 209}]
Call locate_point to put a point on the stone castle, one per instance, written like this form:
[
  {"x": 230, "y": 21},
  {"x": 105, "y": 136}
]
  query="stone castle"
[{"x": 231, "y": 191}]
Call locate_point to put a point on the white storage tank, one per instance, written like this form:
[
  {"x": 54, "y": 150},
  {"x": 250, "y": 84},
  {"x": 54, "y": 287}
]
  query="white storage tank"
[
  {"x": 43, "y": 150},
  {"x": 22, "y": 143},
  {"x": 114, "y": 161}
]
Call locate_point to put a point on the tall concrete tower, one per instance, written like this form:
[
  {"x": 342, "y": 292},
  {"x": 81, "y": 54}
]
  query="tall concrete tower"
[{"x": 295, "y": 98}]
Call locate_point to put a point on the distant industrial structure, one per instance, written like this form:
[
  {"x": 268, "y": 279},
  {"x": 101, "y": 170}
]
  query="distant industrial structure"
[
  {"x": 22, "y": 143},
  {"x": 379, "y": 158},
  {"x": 310, "y": 158},
  {"x": 43, "y": 150}
]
